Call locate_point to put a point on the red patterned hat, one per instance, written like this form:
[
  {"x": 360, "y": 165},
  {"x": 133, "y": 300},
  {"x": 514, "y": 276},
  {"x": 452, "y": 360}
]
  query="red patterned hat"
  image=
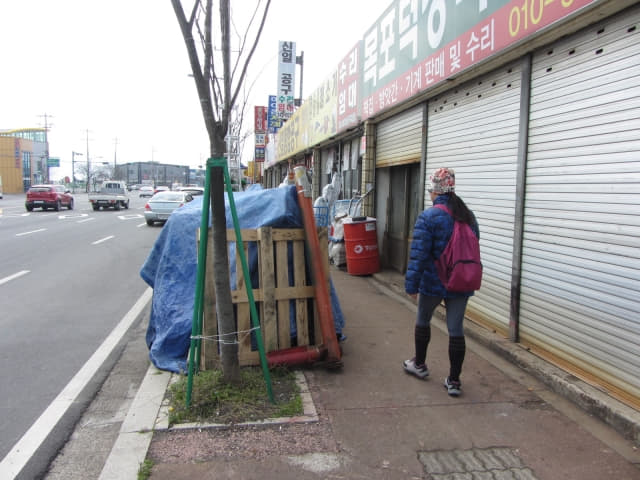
[{"x": 443, "y": 180}]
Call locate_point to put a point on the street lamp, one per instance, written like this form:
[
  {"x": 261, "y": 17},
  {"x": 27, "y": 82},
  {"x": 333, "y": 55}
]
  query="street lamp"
[{"x": 73, "y": 169}]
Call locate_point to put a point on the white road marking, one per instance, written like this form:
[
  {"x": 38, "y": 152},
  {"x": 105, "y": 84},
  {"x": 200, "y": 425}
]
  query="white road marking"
[
  {"x": 103, "y": 239},
  {"x": 29, "y": 233},
  {"x": 130, "y": 216},
  {"x": 73, "y": 215},
  {"x": 13, "y": 277},
  {"x": 141, "y": 225},
  {"x": 85, "y": 220},
  {"x": 26, "y": 447}
]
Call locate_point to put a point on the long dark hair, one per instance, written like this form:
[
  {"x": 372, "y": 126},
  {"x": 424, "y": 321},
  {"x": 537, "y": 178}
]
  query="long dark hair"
[{"x": 459, "y": 209}]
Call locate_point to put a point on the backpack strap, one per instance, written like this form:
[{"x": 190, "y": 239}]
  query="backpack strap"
[{"x": 444, "y": 208}]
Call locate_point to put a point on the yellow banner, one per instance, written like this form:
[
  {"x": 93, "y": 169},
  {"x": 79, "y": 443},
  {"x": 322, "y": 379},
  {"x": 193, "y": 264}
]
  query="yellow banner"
[{"x": 313, "y": 122}]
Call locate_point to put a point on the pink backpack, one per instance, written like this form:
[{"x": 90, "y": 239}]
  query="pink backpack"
[{"x": 459, "y": 266}]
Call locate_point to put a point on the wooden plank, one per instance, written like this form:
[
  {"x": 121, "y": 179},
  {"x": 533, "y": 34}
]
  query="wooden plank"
[
  {"x": 243, "y": 314},
  {"x": 267, "y": 283},
  {"x": 209, "y": 353},
  {"x": 278, "y": 234},
  {"x": 249, "y": 358},
  {"x": 302, "y": 319},
  {"x": 273, "y": 296},
  {"x": 282, "y": 281},
  {"x": 280, "y": 293}
]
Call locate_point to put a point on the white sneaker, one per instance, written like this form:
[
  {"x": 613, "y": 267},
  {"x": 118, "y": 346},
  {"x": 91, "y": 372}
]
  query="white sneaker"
[
  {"x": 420, "y": 371},
  {"x": 453, "y": 388}
]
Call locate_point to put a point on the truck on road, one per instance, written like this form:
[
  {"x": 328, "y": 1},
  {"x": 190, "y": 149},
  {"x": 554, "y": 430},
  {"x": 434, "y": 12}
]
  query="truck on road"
[{"x": 112, "y": 194}]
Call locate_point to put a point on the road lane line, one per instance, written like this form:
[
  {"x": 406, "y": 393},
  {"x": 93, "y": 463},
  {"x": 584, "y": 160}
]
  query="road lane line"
[
  {"x": 103, "y": 240},
  {"x": 85, "y": 220},
  {"x": 29, "y": 233},
  {"x": 14, "y": 276},
  {"x": 26, "y": 447}
]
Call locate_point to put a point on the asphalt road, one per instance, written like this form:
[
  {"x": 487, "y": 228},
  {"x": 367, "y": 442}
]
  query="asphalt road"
[{"x": 67, "y": 281}]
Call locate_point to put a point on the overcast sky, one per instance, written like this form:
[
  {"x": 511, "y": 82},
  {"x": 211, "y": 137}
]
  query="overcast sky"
[{"x": 116, "y": 72}]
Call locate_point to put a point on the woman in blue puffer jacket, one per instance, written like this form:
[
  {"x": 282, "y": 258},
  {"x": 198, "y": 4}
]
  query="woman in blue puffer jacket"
[{"x": 431, "y": 234}]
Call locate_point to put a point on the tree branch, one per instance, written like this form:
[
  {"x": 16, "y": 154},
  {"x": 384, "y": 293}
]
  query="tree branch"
[
  {"x": 204, "y": 93},
  {"x": 253, "y": 49}
]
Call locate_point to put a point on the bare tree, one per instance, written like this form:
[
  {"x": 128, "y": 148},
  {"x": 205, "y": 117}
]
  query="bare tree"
[{"x": 217, "y": 96}]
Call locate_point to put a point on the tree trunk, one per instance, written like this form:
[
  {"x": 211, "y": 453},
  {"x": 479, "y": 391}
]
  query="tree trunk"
[{"x": 224, "y": 305}]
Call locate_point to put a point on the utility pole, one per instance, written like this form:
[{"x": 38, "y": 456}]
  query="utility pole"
[
  {"x": 73, "y": 169},
  {"x": 115, "y": 155},
  {"x": 88, "y": 162},
  {"x": 46, "y": 143},
  {"x": 300, "y": 61},
  {"x": 153, "y": 168}
]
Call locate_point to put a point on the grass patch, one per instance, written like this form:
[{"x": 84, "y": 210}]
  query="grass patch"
[
  {"x": 214, "y": 401},
  {"x": 144, "y": 472}
]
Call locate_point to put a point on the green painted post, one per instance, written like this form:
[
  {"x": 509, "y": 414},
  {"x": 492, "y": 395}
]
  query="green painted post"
[{"x": 196, "y": 323}]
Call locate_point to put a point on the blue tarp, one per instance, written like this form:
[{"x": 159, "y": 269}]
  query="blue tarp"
[{"x": 172, "y": 265}]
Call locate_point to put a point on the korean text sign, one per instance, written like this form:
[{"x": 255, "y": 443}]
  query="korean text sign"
[
  {"x": 415, "y": 45},
  {"x": 286, "y": 79}
]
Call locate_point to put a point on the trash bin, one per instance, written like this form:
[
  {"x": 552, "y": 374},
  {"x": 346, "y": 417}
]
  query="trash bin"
[{"x": 361, "y": 244}]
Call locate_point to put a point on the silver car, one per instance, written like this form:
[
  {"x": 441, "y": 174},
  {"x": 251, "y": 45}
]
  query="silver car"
[{"x": 162, "y": 205}]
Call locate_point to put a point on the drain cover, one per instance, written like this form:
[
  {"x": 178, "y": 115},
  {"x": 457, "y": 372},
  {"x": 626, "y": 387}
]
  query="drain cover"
[{"x": 477, "y": 463}]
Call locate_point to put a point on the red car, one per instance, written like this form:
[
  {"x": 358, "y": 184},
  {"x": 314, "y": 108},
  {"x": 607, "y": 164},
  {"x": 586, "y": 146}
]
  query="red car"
[{"x": 48, "y": 196}]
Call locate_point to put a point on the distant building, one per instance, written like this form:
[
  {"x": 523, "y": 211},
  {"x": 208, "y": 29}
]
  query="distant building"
[
  {"x": 23, "y": 158},
  {"x": 154, "y": 173}
]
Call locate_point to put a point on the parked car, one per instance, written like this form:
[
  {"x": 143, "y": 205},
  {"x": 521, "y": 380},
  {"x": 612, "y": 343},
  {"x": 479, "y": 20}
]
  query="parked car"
[
  {"x": 146, "y": 191},
  {"x": 48, "y": 196},
  {"x": 160, "y": 188},
  {"x": 163, "y": 204},
  {"x": 194, "y": 191}
]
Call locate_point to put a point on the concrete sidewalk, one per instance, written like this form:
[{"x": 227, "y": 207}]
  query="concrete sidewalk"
[{"x": 376, "y": 422}]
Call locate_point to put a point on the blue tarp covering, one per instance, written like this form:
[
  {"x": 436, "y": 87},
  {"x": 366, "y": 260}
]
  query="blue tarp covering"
[{"x": 172, "y": 265}]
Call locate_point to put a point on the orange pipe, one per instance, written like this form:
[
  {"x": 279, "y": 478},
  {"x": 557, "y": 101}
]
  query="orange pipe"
[
  {"x": 320, "y": 280},
  {"x": 295, "y": 356}
]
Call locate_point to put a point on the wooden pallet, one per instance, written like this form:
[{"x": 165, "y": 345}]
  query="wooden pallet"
[{"x": 279, "y": 285}]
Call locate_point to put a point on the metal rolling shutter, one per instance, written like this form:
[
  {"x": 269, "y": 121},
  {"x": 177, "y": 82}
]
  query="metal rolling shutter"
[
  {"x": 474, "y": 129},
  {"x": 580, "y": 297},
  {"x": 399, "y": 139}
]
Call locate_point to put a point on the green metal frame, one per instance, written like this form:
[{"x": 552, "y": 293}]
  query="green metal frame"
[{"x": 198, "y": 310}]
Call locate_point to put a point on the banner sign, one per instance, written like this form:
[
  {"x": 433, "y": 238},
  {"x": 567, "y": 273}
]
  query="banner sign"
[
  {"x": 286, "y": 79},
  {"x": 348, "y": 80},
  {"x": 274, "y": 122},
  {"x": 314, "y": 121},
  {"x": 260, "y": 119},
  {"x": 259, "y": 154},
  {"x": 414, "y": 46}
]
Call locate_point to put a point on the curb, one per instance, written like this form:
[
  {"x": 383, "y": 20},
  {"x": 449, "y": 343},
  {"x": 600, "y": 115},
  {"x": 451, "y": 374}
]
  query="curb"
[
  {"x": 149, "y": 413},
  {"x": 622, "y": 418},
  {"x": 130, "y": 449}
]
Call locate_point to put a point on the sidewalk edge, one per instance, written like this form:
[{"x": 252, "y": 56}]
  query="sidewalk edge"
[{"x": 136, "y": 432}]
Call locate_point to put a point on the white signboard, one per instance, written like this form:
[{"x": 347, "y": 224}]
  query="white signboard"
[{"x": 286, "y": 79}]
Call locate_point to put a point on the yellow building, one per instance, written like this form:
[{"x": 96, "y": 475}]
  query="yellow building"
[{"x": 23, "y": 158}]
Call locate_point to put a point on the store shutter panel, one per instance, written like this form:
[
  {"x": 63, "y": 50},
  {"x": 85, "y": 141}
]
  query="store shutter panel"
[
  {"x": 474, "y": 129},
  {"x": 580, "y": 297},
  {"x": 399, "y": 139}
]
